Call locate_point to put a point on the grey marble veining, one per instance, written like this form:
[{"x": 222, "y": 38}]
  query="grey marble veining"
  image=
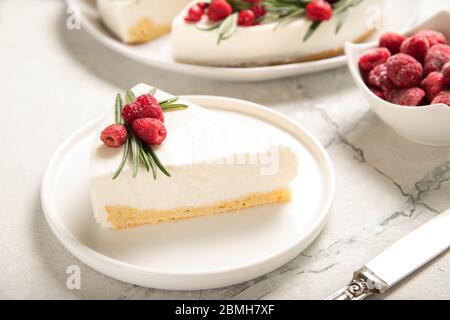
[{"x": 56, "y": 80}]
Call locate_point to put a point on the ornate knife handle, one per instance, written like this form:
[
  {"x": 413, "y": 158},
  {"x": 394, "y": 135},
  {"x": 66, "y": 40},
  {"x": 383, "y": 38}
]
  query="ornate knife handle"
[{"x": 363, "y": 284}]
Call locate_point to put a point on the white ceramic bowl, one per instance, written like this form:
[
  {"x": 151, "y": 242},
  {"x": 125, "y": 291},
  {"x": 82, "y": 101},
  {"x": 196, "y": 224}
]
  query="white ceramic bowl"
[{"x": 428, "y": 125}]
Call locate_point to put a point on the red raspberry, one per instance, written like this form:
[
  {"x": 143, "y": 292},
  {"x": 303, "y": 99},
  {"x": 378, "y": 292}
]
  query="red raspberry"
[
  {"x": 150, "y": 130},
  {"x": 372, "y": 58},
  {"x": 416, "y": 46},
  {"x": 319, "y": 10},
  {"x": 219, "y": 10},
  {"x": 446, "y": 72},
  {"x": 145, "y": 106},
  {"x": 195, "y": 13},
  {"x": 392, "y": 41},
  {"x": 434, "y": 37},
  {"x": 114, "y": 135},
  {"x": 433, "y": 84},
  {"x": 379, "y": 78},
  {"x": 404, "y": 70},
  {"x": 246, "y": 18},
  {"x": 378, "y": 93},
  {"x": 405, "y": 97},
  {"x": 259, "y": 10},
  {"x": 443, "y": 97},
  {"x": 436, "y": 58}
]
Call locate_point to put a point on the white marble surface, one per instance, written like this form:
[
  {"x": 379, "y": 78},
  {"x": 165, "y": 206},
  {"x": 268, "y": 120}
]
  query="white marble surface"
[{"x": 54, "y": 80}]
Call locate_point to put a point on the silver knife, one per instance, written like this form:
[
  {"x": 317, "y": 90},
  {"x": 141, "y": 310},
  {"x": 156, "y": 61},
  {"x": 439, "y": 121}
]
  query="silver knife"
[{"x": 400, "y": 260}]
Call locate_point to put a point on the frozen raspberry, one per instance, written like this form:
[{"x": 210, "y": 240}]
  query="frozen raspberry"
[
  {"x": 442, "y": 97},
  {"x": 416, "y": 46},
  {"x": 446, "y": 72},
  {"x": 219, "y": 10},
  {"x": 378, "y": 93},
  {"x": 405, "y": 97},
  {"x": 392, "y": 41},
  {"x": 434, "y": 37},
  {"x": 145, "y": 106},
  {"x": 246, "y": 18},
  {"x": 114, "y": 136},
  {"x": 372, "y": 58},
  {"x": 195, "y": 13},
  {"x": 319, "y": 10},
  {"x": 433, "y": 84},
  {"x": 379, "y": 78},
  {"x": 404, "y": 70},
  {"x": 259, "y": 10},
  {"x": 150, "y": 130},
  {"x": 436, "y": 58}
]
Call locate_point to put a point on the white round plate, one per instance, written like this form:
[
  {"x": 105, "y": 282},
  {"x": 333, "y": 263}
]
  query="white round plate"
[
  {"x": 200, "y": 253},
  {"x": 397, "y": 15}
]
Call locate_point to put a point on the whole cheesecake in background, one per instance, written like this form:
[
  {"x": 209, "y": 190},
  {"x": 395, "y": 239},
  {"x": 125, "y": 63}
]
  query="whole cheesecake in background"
[
  {"x": 257, "y": 33},
  {"x": 138, "y": 21},
  {"x": 216, "y": 164}
]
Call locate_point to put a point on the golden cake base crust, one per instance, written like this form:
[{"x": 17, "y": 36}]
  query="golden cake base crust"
[
  {"x": 122, "y": 217},
  {"x": 308, "y": 58},
  {"x": 146, "y": 30}
]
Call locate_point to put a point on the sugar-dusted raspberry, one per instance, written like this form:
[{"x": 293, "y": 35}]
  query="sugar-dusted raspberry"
[
  {"x": 392, "y": 41},
  {"x": 150, "y": 130},
  {"x": 145, "y": 106},
  {"x": 246, "y": 18},
  {"x": 114, "y": 136},
  {"x": 259, "y": 10},
  {"x": 379, "y": 78},
  {"x": 319, "y": 10},
  {"x": 446, "y": 72},
  {"x": 195, "y": 13},
  {"x": 405, "y": 97},
  {"x": 416, "y": 46},
  {"x": 442, "y": 97},
  {"x": 219, "y": 10},
  {"x": 434, "y": 37},
  {"x": 404, "y": 70},
  {"x": 378, "y": 93},
  {"x": 436, "y": 58},
  {"x": 433, "y": 84},
  {"x": 372, "y": 58}
]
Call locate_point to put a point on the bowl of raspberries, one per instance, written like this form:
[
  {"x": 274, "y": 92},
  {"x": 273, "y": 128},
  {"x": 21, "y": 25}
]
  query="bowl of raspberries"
[{"x": 406, "y": 79}]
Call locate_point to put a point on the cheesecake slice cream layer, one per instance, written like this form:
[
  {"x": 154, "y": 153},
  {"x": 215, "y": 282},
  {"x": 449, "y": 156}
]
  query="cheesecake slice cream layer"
[
  {"x": 270, "y": 43},
  {"x": 217, "y": 164},
  {"x": 138, "y": 21}
]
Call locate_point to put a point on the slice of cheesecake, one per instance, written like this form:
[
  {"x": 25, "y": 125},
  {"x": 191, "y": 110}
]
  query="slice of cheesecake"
[
  {"x": 138, "y": 21},
  {"x": 216, "y": 164},
  {"x": 273, "y": 42}
]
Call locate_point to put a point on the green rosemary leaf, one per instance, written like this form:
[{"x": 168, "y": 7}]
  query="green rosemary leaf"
[
  {"x": 126, "y": 150},
  {"x": 152, "y": 91},
  {"x": 174, "y": 107},
  {"x": 157, "y": 161},
  {"x": 118, "y": 109},
  {"x": 227, "y": 28},
  {"x": 144, "y": 159},
  {"x": 168, "y": 101},
  {"x": 289, "y": 17},
  {"x": 130, "y": 97},
  {"x": 340, "y": 21},
  {"x": 311, "y": 30},
  {"x": 135, "y": 155},
  {"x": 150, "y": 161}
]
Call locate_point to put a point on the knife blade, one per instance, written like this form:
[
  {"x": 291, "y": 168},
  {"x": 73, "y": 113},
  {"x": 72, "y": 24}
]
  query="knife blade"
[{"x": 399, "y": 260}]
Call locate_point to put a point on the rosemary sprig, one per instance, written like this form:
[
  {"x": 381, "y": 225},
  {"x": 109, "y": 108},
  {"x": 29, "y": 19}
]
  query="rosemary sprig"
[
  {"x": 313, "y": 27},
  {"x": 227, "y": 28},
  {"x": 134, "y": 147}
]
